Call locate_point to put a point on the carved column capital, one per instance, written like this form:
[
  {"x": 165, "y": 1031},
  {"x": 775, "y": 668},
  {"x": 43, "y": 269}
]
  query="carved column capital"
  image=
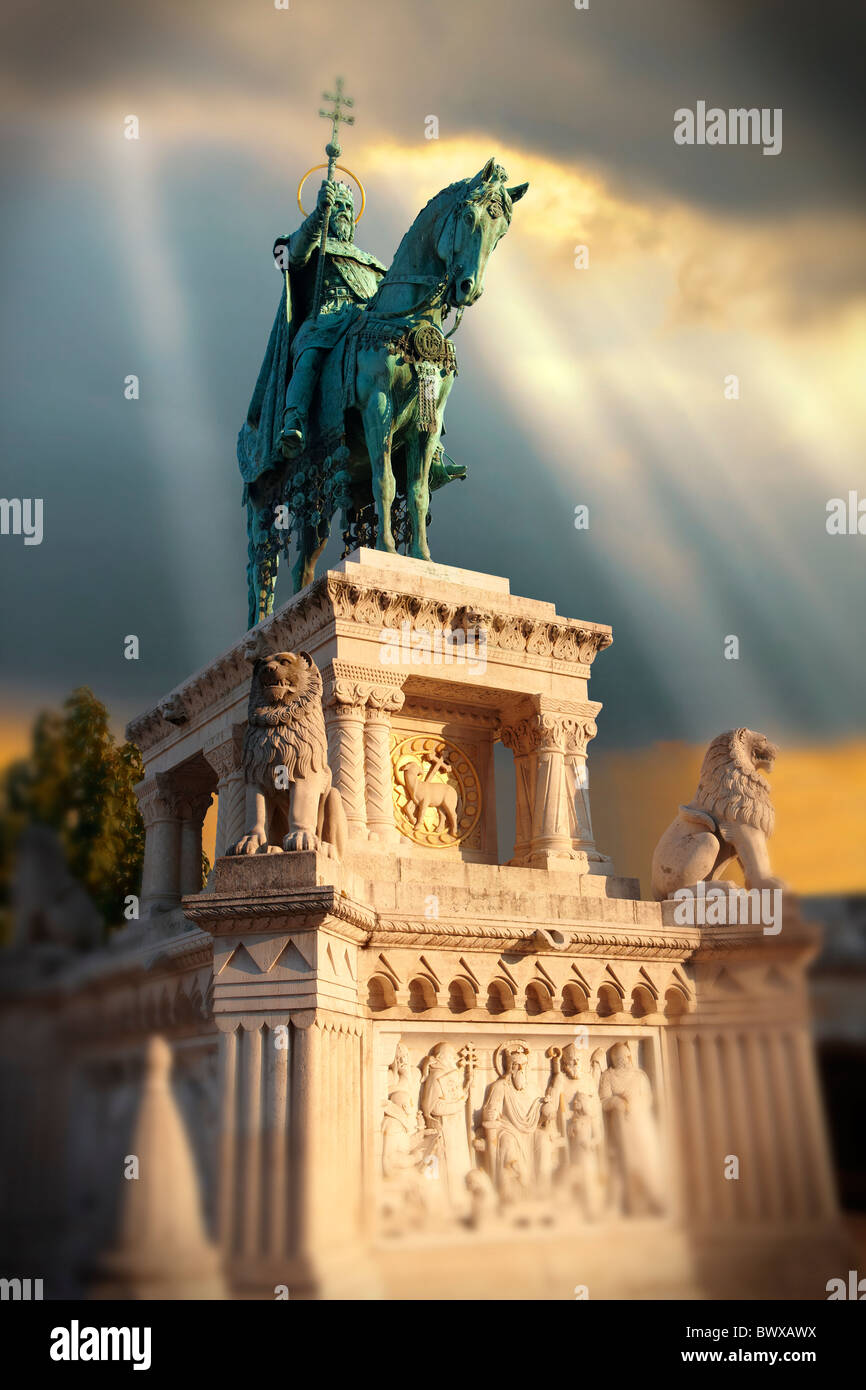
[
  {"x": 159, "y": 799},
  {"x": 226, "y": 758},
  {"x": 352, "y": 688},
  {"x": 383, "y": 701},
  {"x": 550, "y": 730}
]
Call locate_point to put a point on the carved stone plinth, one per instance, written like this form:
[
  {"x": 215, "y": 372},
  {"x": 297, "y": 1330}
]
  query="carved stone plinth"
[
  {"x": 424, "y": 668},
  {"x": 515, "y": 1061},
  {"x": 450, "y": 1068}
]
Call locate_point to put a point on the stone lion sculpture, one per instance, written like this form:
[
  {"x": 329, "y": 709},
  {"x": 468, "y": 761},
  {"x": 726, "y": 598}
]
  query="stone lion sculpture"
[
  {"x": 731, "y": 817},
  {"x": 291, "y": 804}
]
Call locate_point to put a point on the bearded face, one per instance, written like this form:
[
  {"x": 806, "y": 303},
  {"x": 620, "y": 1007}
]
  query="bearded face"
[
  {"x": 572, "y": 1063},
  {"x": 342, "y": 220},
  {"x": 447, "y": 1057},
  {"x": 518, "y": 1074}
]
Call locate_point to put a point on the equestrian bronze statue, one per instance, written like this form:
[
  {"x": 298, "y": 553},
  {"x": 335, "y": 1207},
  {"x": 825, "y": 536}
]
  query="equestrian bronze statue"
[{"x": 348, "y": 409}]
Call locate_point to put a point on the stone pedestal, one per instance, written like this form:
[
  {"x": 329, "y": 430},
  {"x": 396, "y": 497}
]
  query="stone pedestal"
[
  {"x": 424, "y": 668},
  {"x": 371, "y": 1123},
  {"x": 441, "y": 1063}
]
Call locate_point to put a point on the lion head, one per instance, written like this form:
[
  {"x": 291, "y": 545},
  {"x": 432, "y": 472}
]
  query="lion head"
[
  {"x": 285, "y": 725},
  {"x": 731, "y": 787}
]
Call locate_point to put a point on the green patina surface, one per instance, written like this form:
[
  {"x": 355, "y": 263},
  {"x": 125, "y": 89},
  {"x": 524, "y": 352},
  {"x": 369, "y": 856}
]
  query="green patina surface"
[{"x": 347, "y": 413}]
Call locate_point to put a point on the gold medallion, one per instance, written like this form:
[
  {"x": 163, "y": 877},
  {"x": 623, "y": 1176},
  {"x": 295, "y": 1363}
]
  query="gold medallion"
[{"x": 437, "y": 792}]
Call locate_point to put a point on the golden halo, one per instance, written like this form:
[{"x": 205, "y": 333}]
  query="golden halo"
[{"x": 345, "y": 171}]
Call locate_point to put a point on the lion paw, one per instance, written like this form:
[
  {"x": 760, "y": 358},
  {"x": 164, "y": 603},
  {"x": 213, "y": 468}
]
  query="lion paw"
[
  {"x": 249, "y": 844},
  {"x": 301, "y": 840}
]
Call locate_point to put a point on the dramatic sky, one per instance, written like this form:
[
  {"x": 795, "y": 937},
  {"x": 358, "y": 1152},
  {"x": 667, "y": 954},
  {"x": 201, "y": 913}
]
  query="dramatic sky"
[{"x": 601, "y": 386}]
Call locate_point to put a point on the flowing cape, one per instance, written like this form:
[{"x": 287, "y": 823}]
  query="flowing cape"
[{"x": 258, "y": 440}]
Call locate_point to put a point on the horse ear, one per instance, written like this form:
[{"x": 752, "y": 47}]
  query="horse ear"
[
  {"x": 517, "y": 192},
  {"x": 487, "y": 172}
]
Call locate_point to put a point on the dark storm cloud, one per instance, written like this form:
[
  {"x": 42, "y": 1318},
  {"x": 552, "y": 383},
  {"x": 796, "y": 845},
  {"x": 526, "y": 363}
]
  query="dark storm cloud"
[
  {"x": 148, "y": 538},
  {"x": 596, "y": 86}
]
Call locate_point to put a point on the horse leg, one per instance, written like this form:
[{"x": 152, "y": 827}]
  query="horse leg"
[
  {"x": 421, "y": 445},
  {"x": 309, "y": 550},
  {"x": 378, "y": 432},
  {"x": 263, "y": 559}
]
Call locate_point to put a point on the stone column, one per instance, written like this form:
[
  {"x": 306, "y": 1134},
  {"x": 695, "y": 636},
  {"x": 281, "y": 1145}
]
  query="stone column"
[
  {"x": 761, "y": 1111},
  {"x": 518, "y": 738},
  {"x": 160, "y": 808},
  {"x": 226, "y": 761},
  {"x": 382, "y": 702},
  {"x": 552, "y": 812},
  {"x": 814, "y": 1123},
  {"x": 551, "y": 823},
  {"x": 692, "y": 1126},
  {"x": 344, "y": 722},
  {"x": 736, "y": 1090},
  {"x": 577, "y": 736},
  {"x": 193, "y": 809},
  {"x": 228, "y": 1064}
]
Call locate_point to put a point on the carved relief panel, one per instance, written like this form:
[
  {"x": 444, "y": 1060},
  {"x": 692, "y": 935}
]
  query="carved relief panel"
[{"x": 562, "y": 1128}]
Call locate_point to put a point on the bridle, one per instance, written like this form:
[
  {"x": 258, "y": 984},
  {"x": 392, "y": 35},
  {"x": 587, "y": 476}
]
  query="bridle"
[{"x": 438, "y": 284}]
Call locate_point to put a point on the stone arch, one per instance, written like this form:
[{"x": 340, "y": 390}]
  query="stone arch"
[
  {"x": 610, "y": 1000},
  {"x": 539, "y": 999},
  {"x": 642, "y": 1001},
  {"x": 500, "y": 997},
  {"x": 676, "y": 1002},
  {"x": 574, "y": 999},
  {"x": 422, "y": 994},
  {"x": 380, "y": 993},
  {"x": 461, "y": 995}
]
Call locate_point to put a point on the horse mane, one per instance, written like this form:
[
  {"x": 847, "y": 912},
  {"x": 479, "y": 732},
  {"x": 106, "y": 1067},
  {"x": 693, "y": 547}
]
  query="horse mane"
[{"x": 430, "y": 208}]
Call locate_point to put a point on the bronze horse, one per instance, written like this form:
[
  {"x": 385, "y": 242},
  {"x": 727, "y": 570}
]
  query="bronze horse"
[{"x": 374, "y": 447}]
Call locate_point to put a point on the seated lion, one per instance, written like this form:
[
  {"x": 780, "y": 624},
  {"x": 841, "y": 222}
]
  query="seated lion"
[
  {"x": 291, "y": 803},
  {"x": 731, "y": 817}
]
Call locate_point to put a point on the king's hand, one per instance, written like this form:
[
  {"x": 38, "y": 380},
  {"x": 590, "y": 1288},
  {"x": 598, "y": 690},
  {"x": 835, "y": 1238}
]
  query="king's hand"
[{"x": 327, "y": 195}]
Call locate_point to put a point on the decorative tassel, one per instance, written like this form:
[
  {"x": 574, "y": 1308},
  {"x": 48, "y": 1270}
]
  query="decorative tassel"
[{"x": 428, "y": 375}]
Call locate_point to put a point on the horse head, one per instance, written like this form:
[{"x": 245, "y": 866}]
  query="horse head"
[{"x": 479, "y": 220}]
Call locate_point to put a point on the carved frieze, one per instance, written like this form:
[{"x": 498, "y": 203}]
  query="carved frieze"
[
  {"x": 478, "y": 1128},
  {"x": 337, "y": 597}
]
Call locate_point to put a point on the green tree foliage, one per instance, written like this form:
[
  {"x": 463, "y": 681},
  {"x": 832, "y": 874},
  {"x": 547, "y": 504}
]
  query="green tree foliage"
[{"x": 78, "y": 781}]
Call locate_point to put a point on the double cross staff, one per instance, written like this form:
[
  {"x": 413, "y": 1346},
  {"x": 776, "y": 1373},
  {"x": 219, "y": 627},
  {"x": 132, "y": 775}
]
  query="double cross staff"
[{"x": 333, "y": 151}]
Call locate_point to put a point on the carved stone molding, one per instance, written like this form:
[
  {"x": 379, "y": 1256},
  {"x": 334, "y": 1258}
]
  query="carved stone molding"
[
  {"x": 338, "y": 598},
  {"x": 258, "y": 913},
  {"x": 455, "y": 934}
]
